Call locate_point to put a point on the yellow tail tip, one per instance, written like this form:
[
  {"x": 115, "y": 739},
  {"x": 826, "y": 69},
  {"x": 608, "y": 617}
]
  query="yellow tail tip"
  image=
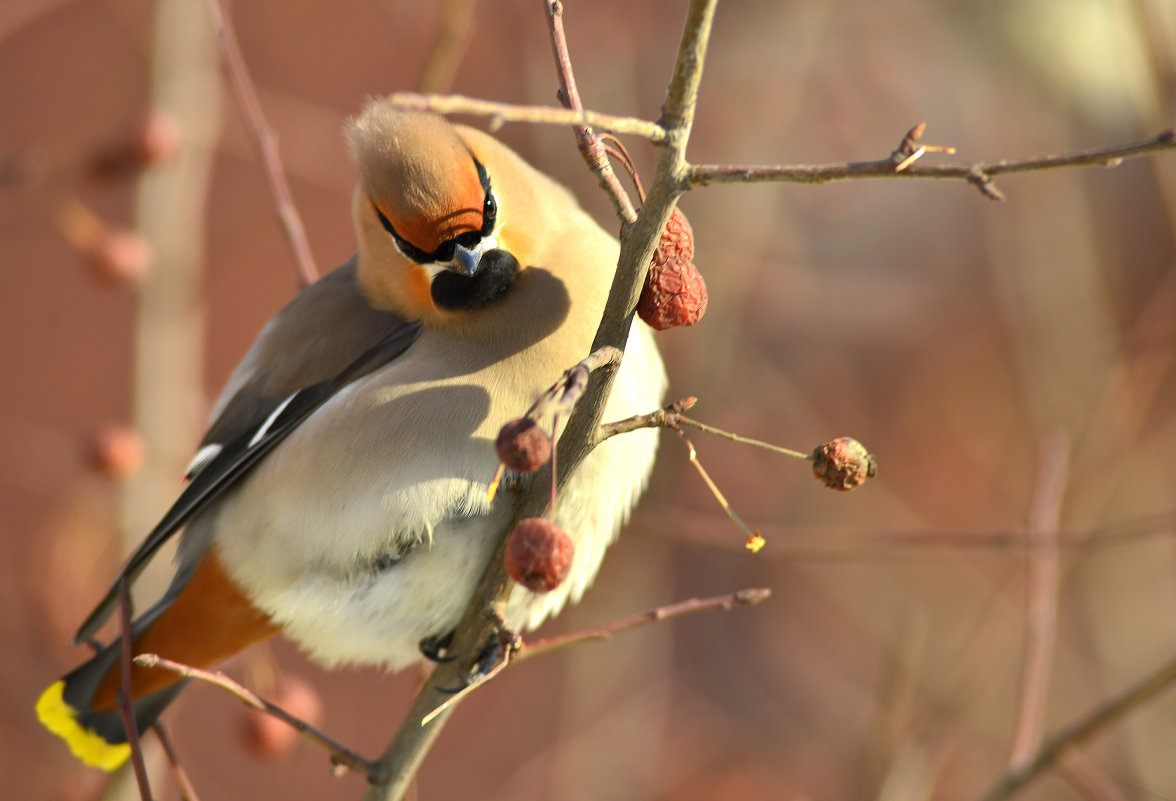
[{"x": 60, "y": 718}]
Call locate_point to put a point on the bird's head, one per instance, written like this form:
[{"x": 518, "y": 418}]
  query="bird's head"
[{"x": 426, "y": 215}]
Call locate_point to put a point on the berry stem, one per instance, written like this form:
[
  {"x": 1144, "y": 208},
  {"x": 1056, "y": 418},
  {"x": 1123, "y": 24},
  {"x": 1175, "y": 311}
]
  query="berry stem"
[
  {"x": 671, "y": 416},
  {"x": 718, "y": 432},
  {"x": 754, "y": 540}
]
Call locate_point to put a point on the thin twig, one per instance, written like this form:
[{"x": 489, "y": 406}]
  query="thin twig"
[
  {"x": 979, "y": 174},
  {"x": 754, "y": 540},
  {"x": 591, "y": 147},
  {"x": 267, "y": 146},
  {"x": 747, "y": 597},
  {"x": 538, "y": 115},
  {"x": 1096, "y": 721},
  {"x": 126, "y": 701},
  {"x": 340, "y": 754},
  {"x": 1041, "y": 610},
  {"x": 671, "y": 416},
  {"x": 187, "y": 790}
]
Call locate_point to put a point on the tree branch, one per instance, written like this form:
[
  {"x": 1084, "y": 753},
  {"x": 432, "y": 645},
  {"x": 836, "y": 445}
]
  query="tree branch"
[
  {"x": 587, "y": 140},
  {"x": 267, "y": 146},
  {"x": 1041, "y": 607},
  {"x": 979, "y": 174},
  {"x": 1099, "y": 719},
  {"x": 340, "y": 754},
  {"x": 541, "y": 115},
  {"x": 605, "y": 631},
  {"x": 126, "y": 699},
  {"x": 392, "y": 774}
]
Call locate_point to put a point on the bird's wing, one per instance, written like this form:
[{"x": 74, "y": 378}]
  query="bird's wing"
[{"x": 274, "y": 398}]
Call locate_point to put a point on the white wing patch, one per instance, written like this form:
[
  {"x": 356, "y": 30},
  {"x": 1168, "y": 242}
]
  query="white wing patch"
[
  {"x": 269, "y": 421},
  {"x": 202, "y": 459}
]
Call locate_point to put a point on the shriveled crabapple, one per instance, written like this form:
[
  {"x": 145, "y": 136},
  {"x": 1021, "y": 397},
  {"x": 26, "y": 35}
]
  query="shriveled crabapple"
[
  {"x": 539, "y": 554},
  {"x": 843, "y": 464},
  {"x": 523, "y": 445}
]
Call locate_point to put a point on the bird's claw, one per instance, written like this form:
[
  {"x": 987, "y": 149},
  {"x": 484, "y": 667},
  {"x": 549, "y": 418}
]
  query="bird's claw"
[
  {"x": 436, "y": 648},
  {"x": 494, "y": 656}
]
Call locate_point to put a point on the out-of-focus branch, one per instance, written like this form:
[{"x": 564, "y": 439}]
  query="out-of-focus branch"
[
  {"x": 457, "y": 28},
  {"x": 1098, "y": 720},
  {"x": 1041, "y": 598},
  {"x": 267, "y": 145},
  {"x": 168, "y": 340},
  {"x": 187, "y": 790}
]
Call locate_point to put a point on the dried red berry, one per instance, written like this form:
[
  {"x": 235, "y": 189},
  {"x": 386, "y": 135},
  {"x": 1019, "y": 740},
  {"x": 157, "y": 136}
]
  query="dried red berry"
[
  {"x": 843, "y": 464},
  {"x": 539, "y": 554},
  {"x": 118, "y": 450},
  {"x": 674, "y": 295},
  {"x": 522, "y": 445},
  {"x": 268, "y": 737},
  {"x": 677, "y": 240}
]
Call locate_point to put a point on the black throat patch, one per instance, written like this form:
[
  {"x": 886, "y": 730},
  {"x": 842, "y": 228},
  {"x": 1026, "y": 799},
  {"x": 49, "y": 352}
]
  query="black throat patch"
[{"x": 455, "y": 292}]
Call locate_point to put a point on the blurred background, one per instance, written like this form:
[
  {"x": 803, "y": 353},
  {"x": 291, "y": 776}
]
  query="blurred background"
[{"x": 1010, "y": 365}]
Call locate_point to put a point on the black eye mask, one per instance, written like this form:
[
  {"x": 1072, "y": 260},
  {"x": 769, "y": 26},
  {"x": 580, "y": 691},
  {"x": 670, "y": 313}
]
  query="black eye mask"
[{"x": 469, "y": 240}]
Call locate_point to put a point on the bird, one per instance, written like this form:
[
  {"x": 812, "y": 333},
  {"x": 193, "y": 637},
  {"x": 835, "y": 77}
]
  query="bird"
[{"x": 340, "y": 494}]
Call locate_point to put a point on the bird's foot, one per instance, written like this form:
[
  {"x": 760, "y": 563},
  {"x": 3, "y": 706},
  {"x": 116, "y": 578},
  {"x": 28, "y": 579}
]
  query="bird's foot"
[
  {"x": 493, "y": 657},
  {"x": 436, "y": 648}
]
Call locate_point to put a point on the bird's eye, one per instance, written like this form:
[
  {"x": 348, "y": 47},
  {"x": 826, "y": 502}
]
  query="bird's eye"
[{"x": 489, "y": 213}]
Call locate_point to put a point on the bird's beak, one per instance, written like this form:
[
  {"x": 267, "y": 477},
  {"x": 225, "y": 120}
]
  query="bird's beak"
[{"x": 465, "y": 261}]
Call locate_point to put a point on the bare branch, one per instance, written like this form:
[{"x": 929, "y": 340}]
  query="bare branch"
[
  {"x": 126, "y": 699},
  {"x": 1098, "y": 720},
  {"x": 340, "y": 754},
  {"x": 591, "y": 147},
  {"x": 457, "y": 28},
  {"x": 605, "y": 631},
  {"x": 187, "y": 790},
  {"x": 1041, "y": 598},
  {"x": 541, "y": 115},
  {"x": 267, "y": 146},
  {"x": 671, "y": 417},
  {"x": 979, "y": 174}
]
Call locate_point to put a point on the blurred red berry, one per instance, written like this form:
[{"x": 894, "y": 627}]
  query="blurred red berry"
[
  {"x": 843, "y": 464},
  {"x": 157, "y": 139},
  {"x": 522, "y": 445},
  {"x": 674, "y": 295},
  {"x": 154, "y": 141},
  {"x": 269, "y": 738},
  {"x": 117, "y": 450},
  {"x": 119, "y": 255},
  {"x": 539, "y": 554}
]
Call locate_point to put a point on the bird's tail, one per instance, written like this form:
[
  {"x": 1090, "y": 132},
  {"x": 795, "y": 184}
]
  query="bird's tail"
[
  {"x": 201, "y": 620},
  {"x": 82, "y": 708}
]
